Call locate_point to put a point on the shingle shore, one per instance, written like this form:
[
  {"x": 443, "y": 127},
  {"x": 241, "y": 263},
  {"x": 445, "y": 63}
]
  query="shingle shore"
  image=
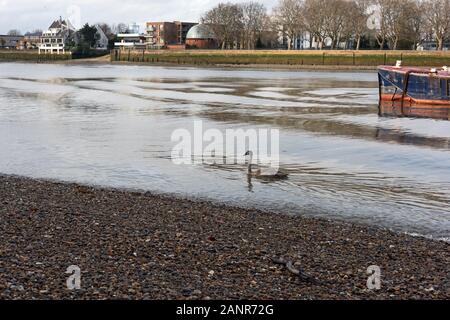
[{"x": 132, "y": 245}]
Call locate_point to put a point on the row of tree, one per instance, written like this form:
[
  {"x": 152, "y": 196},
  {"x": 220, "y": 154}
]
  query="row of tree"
[{"x": 333, "y": 23}]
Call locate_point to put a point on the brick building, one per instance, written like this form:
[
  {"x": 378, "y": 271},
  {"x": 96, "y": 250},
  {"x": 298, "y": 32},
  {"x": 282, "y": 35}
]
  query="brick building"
[{"x": 163, "y": 34}]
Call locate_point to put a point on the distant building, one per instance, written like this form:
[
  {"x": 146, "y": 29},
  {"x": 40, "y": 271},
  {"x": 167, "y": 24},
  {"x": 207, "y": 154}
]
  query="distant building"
[
  {"x": 306, "y": 41},
  {"x": 130, "y": 41},
  {"x": 182, "y": 30},
  {"x": 11, "y": 42},
  {"x": 431, "y": 45},
  {"x": 133, "y": 28},
  {"x": 31, "y": 41},
  {"x": 55, "y": 39},
  {"x": 164, "y": 34},
  {"x": 201, "y": 36}
]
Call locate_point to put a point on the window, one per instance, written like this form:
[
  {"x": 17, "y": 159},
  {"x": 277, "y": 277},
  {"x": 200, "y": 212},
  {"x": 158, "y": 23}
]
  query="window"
[{"x": 434, "y": 88}]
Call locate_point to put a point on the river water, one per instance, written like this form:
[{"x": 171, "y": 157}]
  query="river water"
[{"x": 111, "y": 125}]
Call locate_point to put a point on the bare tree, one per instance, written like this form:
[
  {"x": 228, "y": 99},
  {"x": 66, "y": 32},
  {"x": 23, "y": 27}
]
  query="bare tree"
[
  {"x": 288, "y": 19},
  {"x": 107, "y": 29},
  {"x": 336, "y": 13},
  {"x": 14, "y": 32},
  {"x": 414, "y": 28},
  {"x": 119, "y": 28},
  {"x": 254, "y": 21},
  {"x": 226, "y": 21},
  {"x": 395, "y": 15},
  {"x": 400, "y": 20},
  {"x": 315, "y": 21},
  {"x": 437, "y": 15},
  {"x": 398, "y": 23},
  {"x": 357, "y": 19},
  {"x": 36, "y": 32},
  {"x": 381, "y": 11}
]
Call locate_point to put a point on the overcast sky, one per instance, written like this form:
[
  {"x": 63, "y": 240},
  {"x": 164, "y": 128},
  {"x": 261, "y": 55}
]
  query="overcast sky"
[{"x": 28, "y": 15}]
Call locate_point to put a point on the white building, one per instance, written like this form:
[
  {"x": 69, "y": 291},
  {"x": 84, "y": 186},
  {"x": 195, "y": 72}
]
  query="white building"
[
  {"x": 54, "y": 40},
  {"x": 130, "y": 41},
  {"x": 305, "y": 41},
  {"x": 431, "y": 45}
]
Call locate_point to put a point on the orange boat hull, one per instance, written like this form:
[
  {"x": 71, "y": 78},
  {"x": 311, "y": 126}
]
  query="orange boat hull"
[{"x": 391, "y": 105}]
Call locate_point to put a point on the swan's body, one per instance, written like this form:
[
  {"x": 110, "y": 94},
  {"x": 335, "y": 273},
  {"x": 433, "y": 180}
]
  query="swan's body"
[{"x": 275, "y": 175}]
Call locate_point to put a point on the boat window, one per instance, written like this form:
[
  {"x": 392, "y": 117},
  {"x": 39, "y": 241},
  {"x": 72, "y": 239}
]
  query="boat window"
[
  {"x": 434, "y": 88},
  {"x": 444, "y": 88},
  {"x": 388, "y": 88},
  {"x": 418, "y": 86}
]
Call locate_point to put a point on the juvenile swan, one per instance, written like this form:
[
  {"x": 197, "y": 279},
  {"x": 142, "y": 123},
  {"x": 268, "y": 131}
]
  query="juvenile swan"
[{"x": 278, "y": 175}]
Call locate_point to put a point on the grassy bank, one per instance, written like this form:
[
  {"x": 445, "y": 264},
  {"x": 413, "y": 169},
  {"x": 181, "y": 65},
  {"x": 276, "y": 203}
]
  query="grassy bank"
[
  {"x": 33, "y": 55},
  {"x": 294, "y": 58}
]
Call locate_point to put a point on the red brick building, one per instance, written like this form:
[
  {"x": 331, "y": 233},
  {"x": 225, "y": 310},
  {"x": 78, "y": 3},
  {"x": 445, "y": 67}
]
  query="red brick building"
[{"x": 163, "y": 34}]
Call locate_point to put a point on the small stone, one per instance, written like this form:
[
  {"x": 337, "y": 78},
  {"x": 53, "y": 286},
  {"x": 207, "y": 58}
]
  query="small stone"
[
  {"x": 18, "y": 288},
  {"x": 186, "y": 292}
]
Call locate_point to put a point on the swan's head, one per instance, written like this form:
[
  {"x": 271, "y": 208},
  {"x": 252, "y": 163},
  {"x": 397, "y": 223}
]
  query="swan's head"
[{"x": 248, "y": 153}]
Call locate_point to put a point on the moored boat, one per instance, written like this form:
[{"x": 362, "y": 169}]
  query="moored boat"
[{"x": 414, "y": 92}]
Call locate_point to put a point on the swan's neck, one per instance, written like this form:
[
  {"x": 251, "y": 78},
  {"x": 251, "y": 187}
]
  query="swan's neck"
[{"x": 250, "y": 164}]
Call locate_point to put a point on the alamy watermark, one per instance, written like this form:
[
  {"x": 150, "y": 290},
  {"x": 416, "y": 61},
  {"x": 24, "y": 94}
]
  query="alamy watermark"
[
  {"x": 374, "y": 280},
  {"x": 74, "y": 16},
  {"x": 375, "y": 19},
  {"x": 74, "y": 280},
  {"x": 214, "y": 146}
]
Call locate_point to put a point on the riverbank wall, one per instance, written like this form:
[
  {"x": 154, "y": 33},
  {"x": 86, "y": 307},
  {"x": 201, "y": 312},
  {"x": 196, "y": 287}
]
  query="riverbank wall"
[
  {"x": 32, "y": 56},
  {"x": 283, "y": 58}
]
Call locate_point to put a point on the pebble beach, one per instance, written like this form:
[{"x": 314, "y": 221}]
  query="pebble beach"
[{"x": 138, "y": 245}]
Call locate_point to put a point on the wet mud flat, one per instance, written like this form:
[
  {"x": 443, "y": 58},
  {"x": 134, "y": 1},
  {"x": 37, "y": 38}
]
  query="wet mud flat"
[{"x": 137, "y": 245}]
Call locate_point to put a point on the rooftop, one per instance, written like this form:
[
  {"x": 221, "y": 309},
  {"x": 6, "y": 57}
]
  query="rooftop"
[{"x": 201, "y": 31}]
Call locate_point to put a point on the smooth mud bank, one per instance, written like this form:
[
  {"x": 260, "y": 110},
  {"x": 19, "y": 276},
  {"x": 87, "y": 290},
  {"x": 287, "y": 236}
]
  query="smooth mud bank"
[
  {"x": 274, "y": 67},
  {"x": 106, "y": 60},
  {"x": 144, "y": 246}
]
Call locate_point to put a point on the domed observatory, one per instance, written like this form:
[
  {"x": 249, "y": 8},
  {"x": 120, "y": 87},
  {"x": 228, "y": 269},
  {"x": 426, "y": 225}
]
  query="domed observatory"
[{"x": 201, "y": 36}]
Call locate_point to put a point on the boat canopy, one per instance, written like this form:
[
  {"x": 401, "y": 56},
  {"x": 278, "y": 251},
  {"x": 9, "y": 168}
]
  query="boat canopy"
[{"x": 420, "y": 84}]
